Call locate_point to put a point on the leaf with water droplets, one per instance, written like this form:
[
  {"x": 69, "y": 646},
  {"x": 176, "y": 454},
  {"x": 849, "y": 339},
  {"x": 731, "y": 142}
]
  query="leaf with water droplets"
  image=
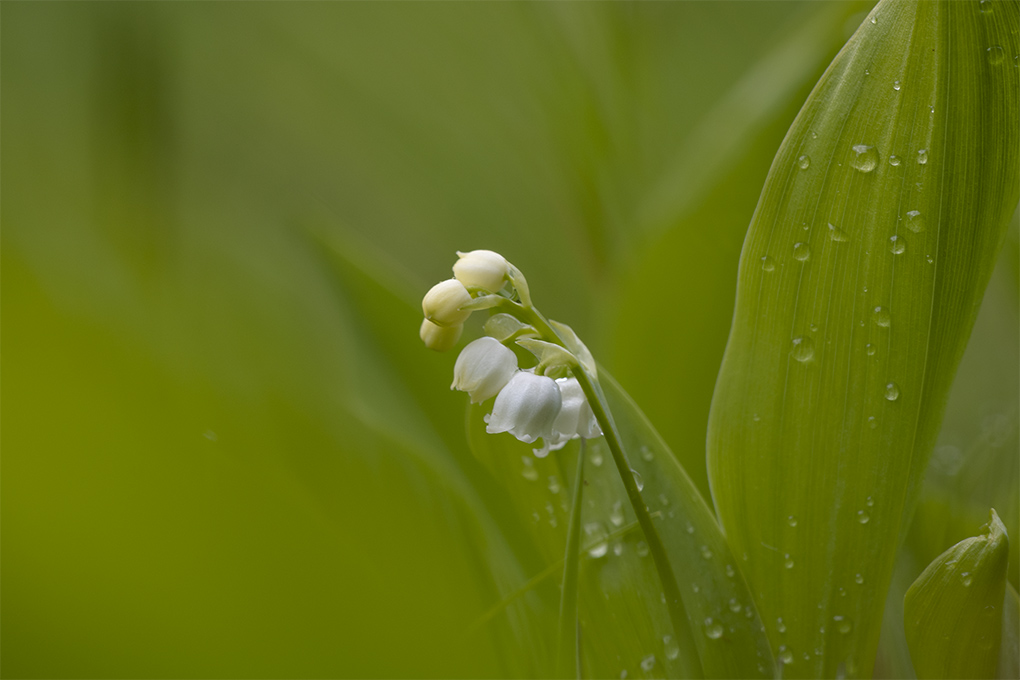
[
  {"x": 953, "y": 614},
  {"x": 921, "y": 180}
]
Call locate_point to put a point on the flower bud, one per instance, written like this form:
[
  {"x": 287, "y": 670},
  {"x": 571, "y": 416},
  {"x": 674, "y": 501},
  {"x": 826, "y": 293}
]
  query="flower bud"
[
  {"x": 526, "y": 408},
  {"x": 481, "y": 269},
  {"x": 442, "y": 303},
  {"x": 439, "y": 338},
  {"x": 483, "y": 368}
]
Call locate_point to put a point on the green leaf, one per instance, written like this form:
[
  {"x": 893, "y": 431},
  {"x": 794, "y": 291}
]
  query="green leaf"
[
  {"x": 624, "y": 622},
  {"x": 567, "y": 650},
  {"x": 859, "y": 282},
  {"x": 953, "y": 612},
  {"x": 1009, "y": 651}
]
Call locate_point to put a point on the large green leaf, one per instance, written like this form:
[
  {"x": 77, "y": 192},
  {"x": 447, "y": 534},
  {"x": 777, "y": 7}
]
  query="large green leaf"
[
  {"x": 859, "y": 282},
  {"x": 953, "y": 613}
]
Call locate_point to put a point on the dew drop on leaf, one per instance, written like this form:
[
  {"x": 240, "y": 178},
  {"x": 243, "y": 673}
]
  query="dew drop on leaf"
[
  {"x": 713, "y": 630},
  {"x": 638, "y": 480},
  {"x": 995, "y": 55},
  {"x": 985, "y": 6},
  {"x": 767, "y": 264},
  {"x": 642, "y": 549},
  {"x": 864, "y": 157},
  {"x": 804, "y": 162},
  {"x": 882, "y": 317},
  {"x": 892, "y": 391},
  {"x": 897, "y": 245},
  {"x": 837, "y": 234},
  {"x": 706, "y": 552},
  {"x": 922, "y": 156},
  {"x": 672, "y": 649},
  {"x": 735, "y": 605},
  {"x": 894, "y": 160},
  {"x": 616, "y": 514},
  {"x": 966, "y": 579},
  {"x": 859, "y": 579},
  {"x": 896, "y": 85},
  {"x": 801, "y": 252},
  {"x": 791, "y": 520},
  {"x": 915, "y": 221},
  {"x": 803, "y": 349},
  {"x": 869, "y": 349},
  {"x": 863, "y": 517}
]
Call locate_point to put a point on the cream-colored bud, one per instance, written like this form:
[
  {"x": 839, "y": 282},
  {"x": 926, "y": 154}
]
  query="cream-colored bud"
[
  {"x": 481, "y": 269},
  {"x": 439, "y": 338},
  {"x": 442, "y": 303}
]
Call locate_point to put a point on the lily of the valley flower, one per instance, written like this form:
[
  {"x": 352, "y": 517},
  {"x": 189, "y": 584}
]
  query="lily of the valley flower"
[
  {"x": 575, "y": 418},
  {"x": 481, "y": 269},
  {"x": 526, "y": 408},
  {"x": 442, "y": 304},
  {"x": 439, "y": 338},
  {"x": 483, "y": 368}
]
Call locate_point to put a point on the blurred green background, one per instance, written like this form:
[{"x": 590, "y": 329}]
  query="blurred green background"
[{"x": 225, "y": 452}]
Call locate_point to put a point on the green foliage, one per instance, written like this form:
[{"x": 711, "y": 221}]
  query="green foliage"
[{"x": 226, "y": 453}]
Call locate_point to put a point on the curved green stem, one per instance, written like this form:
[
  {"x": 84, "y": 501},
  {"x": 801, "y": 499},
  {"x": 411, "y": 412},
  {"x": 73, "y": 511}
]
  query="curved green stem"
[{"x": 689, "y": 658}]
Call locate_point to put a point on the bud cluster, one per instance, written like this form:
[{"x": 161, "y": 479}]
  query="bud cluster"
[
  {"x": 529, "y": 404},
  {"x": 479, "y": 271}
]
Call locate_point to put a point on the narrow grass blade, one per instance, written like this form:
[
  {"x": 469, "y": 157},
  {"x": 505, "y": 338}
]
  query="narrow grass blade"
[
  {"x": 567, "y": 651},
  {"x": 953, "y": 612},
  {"x": 859, "y": 281},
  {"x": 1009, "y": 652}
]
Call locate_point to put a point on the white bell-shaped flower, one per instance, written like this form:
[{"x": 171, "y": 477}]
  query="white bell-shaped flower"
[
  {"x": 442, "y": 304},
  {"x": 483, "y": 368},
  {"x": 481, "y": 269},
  {"x": 576, "y": 418},
  {"x": 526, "y": 408},
  {"x": 439, "y": 338}
]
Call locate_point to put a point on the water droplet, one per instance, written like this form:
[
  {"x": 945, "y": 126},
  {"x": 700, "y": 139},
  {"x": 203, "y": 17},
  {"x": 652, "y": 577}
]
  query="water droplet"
[
  {"x": 618, "y": 548},
  {"x": 756, "y": 418},
  {"x": 735, "y": 605},
  {"x": 803, "y": 349},
  {"x": 863, "y": 517},
  {"x": 768, "y": 264},
  {"x": 695, "y": 587},
  {"x": 985, "y": 6},
  {"x": 896, "y": 85},
  {"x": 791, "y": 520},
  {"x": 554, "y": 484},
  {"x": 915, "y": 221},
  {"x": 663, "y": 500},
  {"x": 882, "y": 317},
  {"x": 872, "y": 423},
  {"x": 801, "y": 252},
  {"x": 842, "y": 592},
  {"x": 787, "y": 561},
  {"x": 623, "y": 674},
  {"x": 892, "y": 391},
  {"x": 748, "y": 612},
  {"x": 730, "y": 571},
  {"x": 864, "y": 157},
  {"x": 648, "y": 663},
  {"x": 859, "y": 579},
  {"x": 966, "y": 578},
  {"x": 894, "y": 160},
  {"x": 706, "y": 552},
  {"x": 897, "y": 246},
  {"x": 616, "y": 514},
  {"x": 529, "y": 472},
  {"x": 638, "y": 480},
  {"x": 713, "y": 630},
  {"x": 804, "y": 162},
  {"x": 596, "y": 458},
  {"x": 922, "y": 156},
  {"x": 646, "y": 453},
  {"x": 869, "y": 349},
  {"x": 689, "y": 528},
  {"x": 869, "y": 501},
  {"x": 642, "y": 549},
  {"x": 874, "y": 20},
  {"x": 837, "y": 234},
  {"x": 843, "y": 624},
  {"x": 995, "y": 55},
  {"x": 596, "y": 533},
  {"x": 786, "y": 657},
  {"x": 930, "y": 259},
  {"x": 672, "y": 648}
]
